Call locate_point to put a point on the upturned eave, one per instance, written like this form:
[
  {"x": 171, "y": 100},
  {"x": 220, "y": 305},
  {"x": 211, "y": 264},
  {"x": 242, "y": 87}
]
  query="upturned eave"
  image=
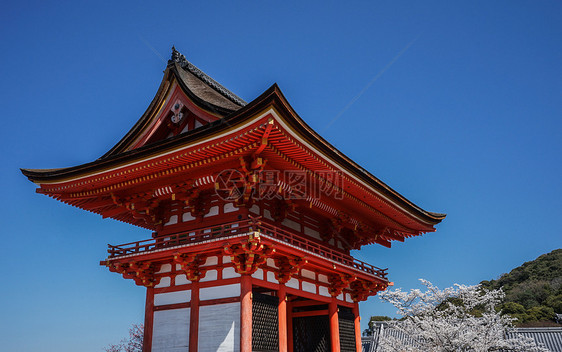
[{"x": 270, "y": 99}]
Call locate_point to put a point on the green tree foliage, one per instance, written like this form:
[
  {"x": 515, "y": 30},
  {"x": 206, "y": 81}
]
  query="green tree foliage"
[
  {"x": 379, "y": 318},
  {"x": 533, "y": 291}
]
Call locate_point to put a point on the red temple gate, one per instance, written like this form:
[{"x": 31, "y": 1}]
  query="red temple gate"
[{"x": 253, "y": 217}]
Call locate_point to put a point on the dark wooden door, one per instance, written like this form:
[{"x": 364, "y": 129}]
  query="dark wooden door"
[{"x": 311, "y": 334}]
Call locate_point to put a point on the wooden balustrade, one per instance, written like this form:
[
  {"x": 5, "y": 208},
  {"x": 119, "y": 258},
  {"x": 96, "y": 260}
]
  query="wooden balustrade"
[{"x": 242, "y": 227}]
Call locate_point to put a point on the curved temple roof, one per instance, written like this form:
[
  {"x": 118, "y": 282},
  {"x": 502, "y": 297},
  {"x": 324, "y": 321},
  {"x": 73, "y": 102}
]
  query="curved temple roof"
[
  {"x": 224, "y": 111},
  {"x": 200, "y": 88}
]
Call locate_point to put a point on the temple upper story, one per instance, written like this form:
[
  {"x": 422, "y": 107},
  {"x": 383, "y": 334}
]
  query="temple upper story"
[{"x": 199, "y": 147}]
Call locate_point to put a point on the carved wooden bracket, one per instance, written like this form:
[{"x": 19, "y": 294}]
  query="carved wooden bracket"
[
  {"x": 362, "y": 289},
  {"x": 347, "y": 238},
  {"x": 186, "y": 192},
  {"x": 141, "y": 272},
  {"x": 327, "y": 231},
  {"x": 247, "y": 257},
  {"x": 199, "y": 206},
  {"x": 288, "y": 267},
  {"x": 279, "y": 209},
  {"x": 360, "y": 236},
  {"x": 338, "y": 282},
  {"x": 251, "y": 170},
  {"x": 145, "y": 207},
  {"x": 191, "y": 265},
  {"x": 340, "y": 221}
]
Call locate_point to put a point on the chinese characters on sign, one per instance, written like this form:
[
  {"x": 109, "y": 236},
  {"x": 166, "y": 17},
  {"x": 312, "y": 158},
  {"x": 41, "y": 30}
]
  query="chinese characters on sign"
[{"x": 232, "y": 184}]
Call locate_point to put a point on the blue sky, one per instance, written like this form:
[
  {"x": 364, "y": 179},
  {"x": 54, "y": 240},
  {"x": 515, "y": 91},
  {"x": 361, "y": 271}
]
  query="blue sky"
[{"x": 460, "y": 112}]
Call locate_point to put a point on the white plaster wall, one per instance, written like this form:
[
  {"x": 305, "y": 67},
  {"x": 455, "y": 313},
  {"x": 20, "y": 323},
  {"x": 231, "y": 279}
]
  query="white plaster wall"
[
  {"x": 258, "y": 274},
  {"x": 187, "y": 217},
  {"x": 181, "y": 280},
  {"x": 226, "y": 259},
  {"x": 292, "y": 224},
  {"x": 308, "y": 274},
  {"x": 216, "y": 292},
  {"x": 172, "y": 297},
  {"x": 213, "y": 211},
  {"x": 228, "y": 273},
  {"x": 271, "y": 277},
  {"x": 165, "y": 268},
  {"x": 219, "y": 328},
  {"x": 211, "y": 261},
  {"x": 164, "y": 282},
  {"x": 255, "y": 209},
  {"x": 308, "y": 287},
  {"x": 323, "y": 290},
  {"x": 173, "y": 220},
  {"x": 229, "y": 208},
  {"x": 294, "y": 283},
  {"x": 313, "y": 233},
  {"x": 171, "y": 330},
  {"x": 211, "y": 275},
  {"x": 271, "y": 263}
]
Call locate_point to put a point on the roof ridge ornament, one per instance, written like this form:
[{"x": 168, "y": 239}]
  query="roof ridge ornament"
[{"x": 180, "y": 59}]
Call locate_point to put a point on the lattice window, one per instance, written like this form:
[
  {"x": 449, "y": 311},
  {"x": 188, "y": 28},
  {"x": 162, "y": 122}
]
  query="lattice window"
[
  {"x": 347, "y": 329},
  {"x": 265, "y": 326}
]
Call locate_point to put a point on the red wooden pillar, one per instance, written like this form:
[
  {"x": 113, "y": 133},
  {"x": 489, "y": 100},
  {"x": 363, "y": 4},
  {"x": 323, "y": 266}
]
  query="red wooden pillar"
[
  {"x": 148, "y": 320},
  {"x": 194, "y": 317},
  {"x": 246, "y": 313},
  {"x": 289, "y": 327},
  {"x": 334, "y": 325},
  {"x": 282, "y": 316},
  {"x": 357, "y": 322}
]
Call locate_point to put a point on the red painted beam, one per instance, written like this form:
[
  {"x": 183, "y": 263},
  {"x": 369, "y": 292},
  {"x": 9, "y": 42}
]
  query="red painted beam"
[
  {"x": 172, "y": 306},
  {"x": 311, "y": 313},
  {"x": 264, "y": 137},
  {"x": 114, "y": 212},
  {"x": 212, "y": 302},
  {"x": 307, "y": 303},
  {"x": 394, "y": 237},
  {"x": 383, "y": 242}
]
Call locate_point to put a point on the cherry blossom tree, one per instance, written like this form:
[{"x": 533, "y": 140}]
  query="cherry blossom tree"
[
  {"x": 460, "y": 318},
  {"x": 132, "y": 344}
]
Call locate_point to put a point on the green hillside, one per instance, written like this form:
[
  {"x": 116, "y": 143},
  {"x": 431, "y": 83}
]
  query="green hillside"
[{"x": 533, "y": 290}]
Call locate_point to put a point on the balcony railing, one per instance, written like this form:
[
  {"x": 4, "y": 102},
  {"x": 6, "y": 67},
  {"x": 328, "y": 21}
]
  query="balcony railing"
[{"x": 239, "y": 228}]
